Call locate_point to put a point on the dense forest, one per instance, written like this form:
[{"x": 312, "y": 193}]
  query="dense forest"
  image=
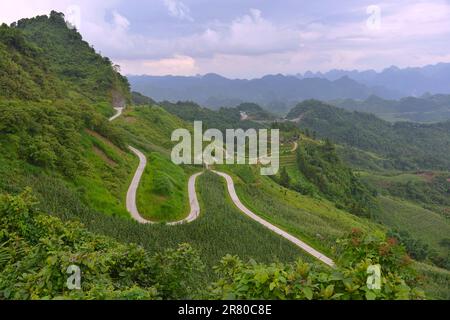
[
  {"x": 402, "y": 145},
  {"x": 427, "y": 108},
  {"x": 322, "y": 167}
]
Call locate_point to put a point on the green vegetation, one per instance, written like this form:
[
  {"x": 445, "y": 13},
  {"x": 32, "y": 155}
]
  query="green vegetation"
[
  {"x": 435, "y": 281},
  {"x": 56, "y": 139},
  {"x": 422, "y": 224},
  {"x": 302, "y": 281},
  {"x": 149, "y": 128},
  {"x": 403, "y": 145},
  {"x": 36, "y": 251},
  {"x": 163, "y": 192},
  {"x": 314, "y": 220},
  {"x": 322, "y": 168},
  {"x": 224, "y": 118},
  {"x": 416, "y": 208},
  {"x": 428, "y": 189},
  {"x": 72, "y": 60},
  {"x": 141, "y": 100}
]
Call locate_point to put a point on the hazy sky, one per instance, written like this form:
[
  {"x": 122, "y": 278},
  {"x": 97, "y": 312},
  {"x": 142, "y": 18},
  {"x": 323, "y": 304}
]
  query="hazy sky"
[{"x": 239, "y": 38}]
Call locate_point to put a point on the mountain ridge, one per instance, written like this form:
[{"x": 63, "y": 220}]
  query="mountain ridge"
[{"x": 275, "y": 92}]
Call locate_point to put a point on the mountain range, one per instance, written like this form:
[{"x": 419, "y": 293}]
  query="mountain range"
[
  {"x": 416, "y": 81},
  {"x": 277, "y": 93}
]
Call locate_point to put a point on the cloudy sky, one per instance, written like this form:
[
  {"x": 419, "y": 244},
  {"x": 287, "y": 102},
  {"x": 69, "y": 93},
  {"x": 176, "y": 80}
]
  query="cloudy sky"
[{"x": 250, "y": 38}]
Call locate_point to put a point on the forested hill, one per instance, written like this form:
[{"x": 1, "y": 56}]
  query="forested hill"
[
  {"x": 427, "y": 109},
  {"x": 42, "y": 58},
  {"x": 54, "y": 87},
  {"x": 403, "y": 145}
]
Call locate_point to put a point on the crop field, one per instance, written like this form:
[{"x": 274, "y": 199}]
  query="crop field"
[
  {"x": 421, "y": 223},
  {"x": 220, "y": 230}
]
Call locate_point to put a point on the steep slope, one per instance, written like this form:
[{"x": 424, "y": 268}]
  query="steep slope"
[
  {"x": 73, "y": 60},
  {"x": 53, "y": 127}
]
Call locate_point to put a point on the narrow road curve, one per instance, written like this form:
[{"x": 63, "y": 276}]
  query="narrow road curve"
[
  {"x": 295, "y": 147},
  {"x": 119, "y": 112},
  {"x": 284, "y": 234},
  {"x": 132, "y": 190}
]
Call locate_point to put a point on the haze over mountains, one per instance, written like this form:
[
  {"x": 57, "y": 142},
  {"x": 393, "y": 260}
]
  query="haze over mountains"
[
  {"x": 279, "y": 93},
  {"x": 409, "y": 81}
]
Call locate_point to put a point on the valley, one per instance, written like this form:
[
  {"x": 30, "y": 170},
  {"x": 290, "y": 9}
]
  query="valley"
[{"x": 87, "y": 179}]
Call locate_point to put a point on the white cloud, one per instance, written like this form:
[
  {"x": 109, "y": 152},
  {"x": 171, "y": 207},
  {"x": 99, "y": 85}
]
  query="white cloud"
[
  {"x": 178, "y": 10},
  {"x": 254, "y": 42},
  {"x": 176, "y": 65}
]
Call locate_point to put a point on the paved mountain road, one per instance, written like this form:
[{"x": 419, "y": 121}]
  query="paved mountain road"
[
  {"x": 195, "y": 206},
  {"x": 119, "y": 112},
  {"x": 284, "y": 234},
  {"x": 134, "y": 186}
]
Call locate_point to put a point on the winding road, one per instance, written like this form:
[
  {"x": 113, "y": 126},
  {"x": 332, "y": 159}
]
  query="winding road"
[
  {"x": 195, "y": 206},
  {"x": 132, "y": 190},
  {"x": 284, "y": 234}
]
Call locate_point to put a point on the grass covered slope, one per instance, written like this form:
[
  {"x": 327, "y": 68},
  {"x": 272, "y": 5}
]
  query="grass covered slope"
[
  {"x": 415, "y": 205},
  {"x": 163, "y": 191},
  {"x": 420, "y": 223},
  {"x": 149, "y": 128},
  {"x": 162, "y": 194}
]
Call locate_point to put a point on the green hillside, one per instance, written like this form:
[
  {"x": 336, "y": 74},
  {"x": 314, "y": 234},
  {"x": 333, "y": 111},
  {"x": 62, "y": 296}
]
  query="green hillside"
[
  {"x": 65, "y": 170},
  {"x": 403, "y": 145},
  {"x": 428, "y": 108},
  {"x": 313, "y": 219},
  {"x": 73, "y": 60}
]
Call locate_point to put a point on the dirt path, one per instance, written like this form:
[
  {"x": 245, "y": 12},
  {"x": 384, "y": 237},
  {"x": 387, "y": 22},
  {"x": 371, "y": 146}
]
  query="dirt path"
[{"x": 284, "y": 234}]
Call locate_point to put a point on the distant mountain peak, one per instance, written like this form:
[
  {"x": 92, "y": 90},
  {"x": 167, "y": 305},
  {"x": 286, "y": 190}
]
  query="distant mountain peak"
[{"x": 213, "y": 76}]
